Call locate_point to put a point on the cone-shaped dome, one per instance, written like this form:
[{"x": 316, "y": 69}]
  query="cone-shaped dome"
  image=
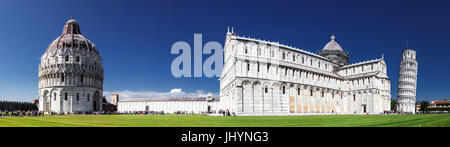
[
  {"x": 71, "y": 38},
  {"x": 71, "y": 27}
]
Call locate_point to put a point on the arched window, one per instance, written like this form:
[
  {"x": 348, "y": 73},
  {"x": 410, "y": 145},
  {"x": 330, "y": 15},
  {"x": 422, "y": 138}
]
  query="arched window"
[
  {"x": 62, "y": 77},
  {"x": 284, "y": 89},
  {"x": 67, "y": 58},
  {"x": 311, "y": 92},
  {"x": 284, "y": 55},
  {"x": 293, "y": 58},
  {"x": 298, "y": 91},
  {"x": 245, "y": 50},
  {"x": 81, "y": 78},
  {"x": 266, "y": 90},
  {"x": 77, "y": 59},
  {"x": 248, "y": 65},
  {"x": 257, "y": 64},
  {"x": 65, "y": 96},
  {"x": 323, "y": 93},
  {"x": 354, "y": 97},
  {"x": 78, "y": 96}
]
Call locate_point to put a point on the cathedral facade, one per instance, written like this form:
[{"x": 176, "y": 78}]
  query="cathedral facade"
[
  {"x": 267, "y": 78},
  {"x": 71, "y": 74}
]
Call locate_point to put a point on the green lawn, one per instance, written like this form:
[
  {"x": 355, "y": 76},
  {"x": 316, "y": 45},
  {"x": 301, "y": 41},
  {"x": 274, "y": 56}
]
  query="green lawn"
[{"x": 427, "y": 120}]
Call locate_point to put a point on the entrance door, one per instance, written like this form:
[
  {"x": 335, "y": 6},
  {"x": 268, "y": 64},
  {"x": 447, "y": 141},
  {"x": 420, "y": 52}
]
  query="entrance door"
[
  {"x": 46, "y": 101},
  {"x": 364, "y": 108},
  {"x": 95, "y": 106},
  {"x": 97, "y": 101},
  {"x": 47, "y": 106}
]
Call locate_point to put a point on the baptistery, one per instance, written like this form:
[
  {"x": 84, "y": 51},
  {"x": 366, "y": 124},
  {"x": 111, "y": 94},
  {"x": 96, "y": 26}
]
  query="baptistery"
[{"x": 71, "y": 74}]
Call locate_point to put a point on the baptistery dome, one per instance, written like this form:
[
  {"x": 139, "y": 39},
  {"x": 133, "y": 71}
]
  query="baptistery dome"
[{"x": 71, "y": 74}]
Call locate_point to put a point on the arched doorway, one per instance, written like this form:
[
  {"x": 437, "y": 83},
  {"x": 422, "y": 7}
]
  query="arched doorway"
[
  {"x": 96, "y": 101},
  {"x": 46, "y": 101},
  {"x": 364, "y": 108}
]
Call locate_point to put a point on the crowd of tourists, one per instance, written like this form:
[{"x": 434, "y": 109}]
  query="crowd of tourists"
[
  {"x": 40, "y": 113},
  {"x": 225, "y": 112},
  {"x": 20, "y": 113},
  {"x": 140, "y": 112}
]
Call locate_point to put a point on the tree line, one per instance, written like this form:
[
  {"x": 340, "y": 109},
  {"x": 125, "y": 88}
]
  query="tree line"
[{"x": 17, "y": 106}]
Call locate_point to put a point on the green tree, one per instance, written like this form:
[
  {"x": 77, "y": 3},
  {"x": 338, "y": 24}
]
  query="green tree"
[
  {"x": 394, "y": 105},
  {"x": 424, "y": 105}
]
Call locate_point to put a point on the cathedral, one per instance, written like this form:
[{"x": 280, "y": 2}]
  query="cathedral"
[
  {"x": 71, "y": 74},
  {"x": 268, "y": 78}
]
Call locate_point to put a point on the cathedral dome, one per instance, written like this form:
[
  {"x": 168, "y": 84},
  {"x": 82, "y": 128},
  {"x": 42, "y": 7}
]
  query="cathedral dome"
[
  {"x": 333, "y": 45},
  {"x": 334, "y": 52}
]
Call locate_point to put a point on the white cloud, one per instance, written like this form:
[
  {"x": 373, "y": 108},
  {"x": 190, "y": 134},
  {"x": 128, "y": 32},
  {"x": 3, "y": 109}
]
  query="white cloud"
[{"x": 175, "y": 92}]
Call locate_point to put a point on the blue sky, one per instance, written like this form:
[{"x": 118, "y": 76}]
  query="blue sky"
[{"x": 134, "y": 37}]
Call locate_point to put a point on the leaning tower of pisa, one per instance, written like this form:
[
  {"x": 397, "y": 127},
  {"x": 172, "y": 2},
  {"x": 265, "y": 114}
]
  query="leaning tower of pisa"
[{"x": 407, "y": 82}]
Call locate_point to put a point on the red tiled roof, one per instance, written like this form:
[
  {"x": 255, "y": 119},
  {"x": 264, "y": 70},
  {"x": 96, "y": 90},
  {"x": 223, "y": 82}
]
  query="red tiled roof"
[
  {"x": 168, "y": 99},
  {"x": 440, "y": 102}
]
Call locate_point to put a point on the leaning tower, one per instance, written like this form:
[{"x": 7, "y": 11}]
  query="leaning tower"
[{"x": 407, "y": 82}]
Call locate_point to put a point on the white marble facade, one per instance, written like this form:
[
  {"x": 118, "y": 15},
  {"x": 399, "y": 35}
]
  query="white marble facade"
[
  {"x": 70, "y": 74},
  {"x": 268, "y": 78},
  {"x": 407, "y": 82},
  {"x": 169, "y": 105}
]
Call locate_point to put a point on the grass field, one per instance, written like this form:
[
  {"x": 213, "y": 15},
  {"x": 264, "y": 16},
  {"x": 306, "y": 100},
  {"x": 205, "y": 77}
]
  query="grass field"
[{"x": 427, "y": 120}]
